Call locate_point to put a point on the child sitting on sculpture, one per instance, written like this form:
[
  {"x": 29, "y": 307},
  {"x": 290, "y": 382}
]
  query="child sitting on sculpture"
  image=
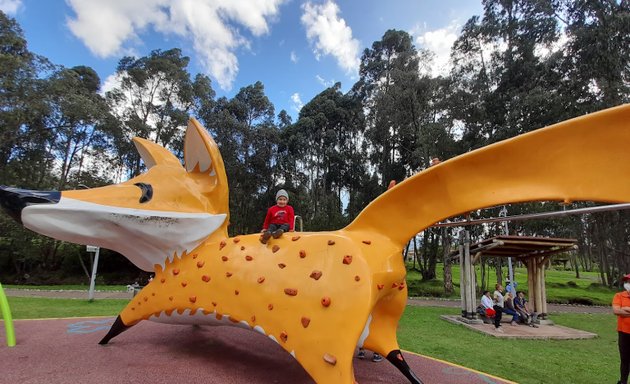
[{"x": 279, "y": 219}]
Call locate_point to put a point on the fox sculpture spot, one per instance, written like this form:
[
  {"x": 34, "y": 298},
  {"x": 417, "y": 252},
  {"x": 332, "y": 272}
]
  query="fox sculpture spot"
[{"x": 318, "y": 295}]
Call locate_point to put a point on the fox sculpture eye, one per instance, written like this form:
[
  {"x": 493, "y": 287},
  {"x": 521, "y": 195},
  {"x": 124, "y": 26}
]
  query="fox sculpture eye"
[{"x": 147, "y": 192}]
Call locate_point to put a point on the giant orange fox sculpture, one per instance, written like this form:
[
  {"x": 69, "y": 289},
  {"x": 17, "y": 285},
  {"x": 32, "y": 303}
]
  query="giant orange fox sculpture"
[{"x": 318, "y": 295}]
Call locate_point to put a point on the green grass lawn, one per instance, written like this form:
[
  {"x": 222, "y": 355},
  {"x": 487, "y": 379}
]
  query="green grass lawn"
[
  {"x": 422, "y": 331},
  {"x": 523, "y": 361},
  {"x": 562, "y": 286},
  {"x": 41, "y": 308}
]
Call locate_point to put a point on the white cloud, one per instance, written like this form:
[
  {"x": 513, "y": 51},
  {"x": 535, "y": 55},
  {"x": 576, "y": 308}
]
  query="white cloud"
[
  {"x": 10, "y": 7},
  {"x": 324, "y": 82},
  {"x": 108, "y": 27},
  {"x": 297, "y": 102},
  {"x": 440, "y": 42},
  {"x": 329, "y": 34},
  {"x": 294, "y": 57}
]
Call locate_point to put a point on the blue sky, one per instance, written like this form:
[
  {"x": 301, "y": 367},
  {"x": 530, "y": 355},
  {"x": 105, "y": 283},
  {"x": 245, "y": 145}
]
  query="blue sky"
[{"x": 296, "y": 48}]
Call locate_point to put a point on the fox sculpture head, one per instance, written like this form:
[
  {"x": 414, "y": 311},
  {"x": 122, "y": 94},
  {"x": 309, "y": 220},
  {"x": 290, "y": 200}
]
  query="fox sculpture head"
[
  {"x": 317, "y": 294},
  {"x": 150, "y": 218}
]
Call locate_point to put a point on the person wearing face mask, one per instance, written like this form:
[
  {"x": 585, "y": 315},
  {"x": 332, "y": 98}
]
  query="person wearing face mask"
[{"x": 621, "y": 308}]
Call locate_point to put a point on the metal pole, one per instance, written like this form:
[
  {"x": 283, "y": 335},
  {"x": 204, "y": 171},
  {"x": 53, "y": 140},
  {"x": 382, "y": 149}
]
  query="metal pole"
[
  {"x": 93, "y": 279},
  {"x": 506, "y": 232},
  {"x": 579, "y": 211}
]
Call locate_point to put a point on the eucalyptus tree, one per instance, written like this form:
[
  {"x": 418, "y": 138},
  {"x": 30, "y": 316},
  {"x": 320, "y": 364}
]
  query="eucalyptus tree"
[
  {"x": 504, "y": 82},
  {"x": 407, "y": 118},
  {"x": 500, "y": 75},
  {"x": 76, "y": 120},
  {"x": 591, "y": 73},
  {"x": 596, "y": 68},
  {"x": 327, "y": 147},
  {"x": 245, "y": 130},
  {"x": 47, "y": 119},
  {"x": 24, "y": 159},
  {"x": 471, "y": 85},
  {"x": 388, "y": 76},
  {"x": 597, "y": 57},
  {"x": 154, "y": 96},
  {"x": 23, "y": 156},
  {"x": 66, "y": 137}
]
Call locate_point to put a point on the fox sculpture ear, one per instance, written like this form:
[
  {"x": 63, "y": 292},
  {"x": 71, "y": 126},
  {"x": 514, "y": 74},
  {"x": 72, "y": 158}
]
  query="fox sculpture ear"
[
  {"x": 153, "y": 154},
  {"x": 202, "y": 157},
  {"x": 201, "y": 153}
]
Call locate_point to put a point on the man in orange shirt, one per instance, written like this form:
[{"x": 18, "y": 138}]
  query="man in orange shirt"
[{"x": 621, "y": 308}]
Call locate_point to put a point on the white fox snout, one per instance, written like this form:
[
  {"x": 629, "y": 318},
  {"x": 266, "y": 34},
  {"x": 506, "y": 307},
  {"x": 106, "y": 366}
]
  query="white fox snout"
[{"x": 145, "y": 237}]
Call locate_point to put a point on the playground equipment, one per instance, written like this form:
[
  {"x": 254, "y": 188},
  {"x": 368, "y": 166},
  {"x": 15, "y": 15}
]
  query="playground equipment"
[
  {"x": 8, "y": 319},
  {"x": 318, "y": 295}
]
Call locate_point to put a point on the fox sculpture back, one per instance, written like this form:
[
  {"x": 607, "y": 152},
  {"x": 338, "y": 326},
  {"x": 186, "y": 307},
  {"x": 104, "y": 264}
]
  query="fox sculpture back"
[{"x": 317, "y": 294}]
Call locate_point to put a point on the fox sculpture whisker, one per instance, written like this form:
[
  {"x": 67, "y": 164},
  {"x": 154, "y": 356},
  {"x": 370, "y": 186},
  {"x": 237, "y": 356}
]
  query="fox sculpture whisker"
[{"x": 317, "y": 294}]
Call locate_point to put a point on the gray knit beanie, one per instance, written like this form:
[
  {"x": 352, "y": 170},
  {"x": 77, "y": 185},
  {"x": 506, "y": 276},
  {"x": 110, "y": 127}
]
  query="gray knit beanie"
[{"x": 282, "y": 192}]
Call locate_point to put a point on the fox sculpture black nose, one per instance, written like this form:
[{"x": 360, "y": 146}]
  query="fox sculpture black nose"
[{"x": 13, "y": 200}]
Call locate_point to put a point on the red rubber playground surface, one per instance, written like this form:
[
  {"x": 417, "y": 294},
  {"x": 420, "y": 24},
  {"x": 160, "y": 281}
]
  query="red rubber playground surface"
[{"x": 66, "y": 351}]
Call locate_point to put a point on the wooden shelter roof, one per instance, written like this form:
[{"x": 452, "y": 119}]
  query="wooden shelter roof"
[{"x": 522, "y": 247}]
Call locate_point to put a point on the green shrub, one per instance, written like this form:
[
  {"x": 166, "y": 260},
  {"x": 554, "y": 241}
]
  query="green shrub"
[
  {"x": 598, "y": 287},
  {"x": 431, "y": 288},
  {"x": 580, "y": 301}
]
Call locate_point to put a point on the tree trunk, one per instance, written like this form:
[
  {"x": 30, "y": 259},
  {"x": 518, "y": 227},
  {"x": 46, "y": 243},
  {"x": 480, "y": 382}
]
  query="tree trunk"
[
  {"x": 406, "y": 251},
  {"x": 575, "y": 263},
  {"x": 448, "y": 274},
  {"x": 499, "y": 270}
]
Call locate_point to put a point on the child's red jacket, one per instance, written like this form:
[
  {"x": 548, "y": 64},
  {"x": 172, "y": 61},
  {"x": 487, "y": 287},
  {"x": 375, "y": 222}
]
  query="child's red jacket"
[{"x": 278, "y": 215}]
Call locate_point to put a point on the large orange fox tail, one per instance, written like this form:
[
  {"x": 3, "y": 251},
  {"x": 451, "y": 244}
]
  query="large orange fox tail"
[{"x": 583, "y": 159}]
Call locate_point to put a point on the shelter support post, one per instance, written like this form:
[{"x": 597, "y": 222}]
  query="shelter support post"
[
  {"x": 537, "y": 289},
  {"x": 467, "y": 280},
  {"x": 540, "y": 285},
  {"x": 462, "y": 284},
  {"x": 544, "y": 262}
]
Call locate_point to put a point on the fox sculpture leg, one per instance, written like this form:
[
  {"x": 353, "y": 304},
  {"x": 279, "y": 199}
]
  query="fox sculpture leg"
[
  {"x": 117, "y": 328},
  {"x": 383, "y": 324}
]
